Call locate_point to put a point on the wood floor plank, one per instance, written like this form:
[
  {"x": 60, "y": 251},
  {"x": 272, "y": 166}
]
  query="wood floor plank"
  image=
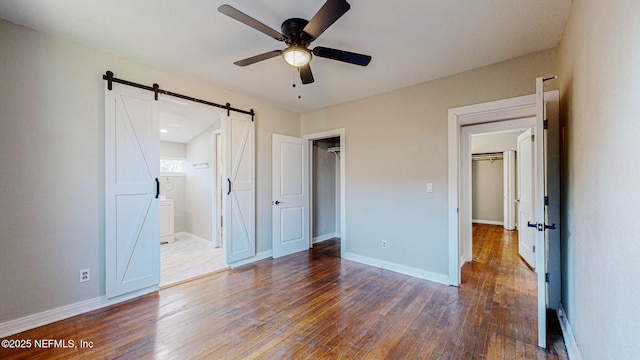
[{"x": 315, "y": 305}]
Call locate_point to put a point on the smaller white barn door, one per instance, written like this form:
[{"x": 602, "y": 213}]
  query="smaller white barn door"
[
  {"x": 132, "y": 166},
  {"x": 290, "y": 195},
  {"x": 238, "y": 178},
  {"x": 526, "y": 238}
]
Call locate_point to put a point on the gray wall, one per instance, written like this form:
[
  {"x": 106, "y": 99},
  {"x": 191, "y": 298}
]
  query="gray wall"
[
  {"x": 199, "y": 186},
  {"x": 487, "y": 182},
  {"x": 173, "y": 149},
  {"x": 599, "y": 80},
  {"x": 487, "y": 195},
  {"x": 52, "y": 139},
  {"x": 173, "y": 186}
]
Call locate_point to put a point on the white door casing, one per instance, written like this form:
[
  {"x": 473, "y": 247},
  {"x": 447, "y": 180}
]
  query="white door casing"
[
  {"x": 509, "y": 191},
  {"x": 526, "y": 162},
  {"x": 513, "y": 108},
  {"x": 343, "y": 181},
  {"x": 238, "y": 142},
  {"x": 132, "y": 166},
  {"x": 290, "y": 195}
]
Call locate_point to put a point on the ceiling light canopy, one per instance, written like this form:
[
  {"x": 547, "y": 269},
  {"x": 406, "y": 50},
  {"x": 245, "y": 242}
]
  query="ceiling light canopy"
[{"x": 296, "y": 55}]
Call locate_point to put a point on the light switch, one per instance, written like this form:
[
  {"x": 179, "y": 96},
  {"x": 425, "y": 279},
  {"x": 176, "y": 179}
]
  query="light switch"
[{"x": 429, "y": 187}]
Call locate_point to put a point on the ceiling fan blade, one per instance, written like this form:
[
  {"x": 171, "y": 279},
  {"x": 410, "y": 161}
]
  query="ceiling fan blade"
[
  {"x": 236, "y": 14},
  {"x": 341, "y": 55},
  {"x": 331, "y": 11},
  {"x": 305, "y": 74},
  {"x": 255, "y": 59}
]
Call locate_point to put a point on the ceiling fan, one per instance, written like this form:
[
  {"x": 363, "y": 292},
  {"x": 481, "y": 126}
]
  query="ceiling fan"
[{"x": 298, "y": 34}]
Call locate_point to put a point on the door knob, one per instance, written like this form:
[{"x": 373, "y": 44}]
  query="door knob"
[{"x": 277, "y": 202}]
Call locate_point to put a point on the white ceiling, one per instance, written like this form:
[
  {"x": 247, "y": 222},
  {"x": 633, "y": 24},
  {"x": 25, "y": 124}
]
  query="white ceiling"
[
  {"x": 411, "y": 41},
  {"x": 181, "y": 121}
]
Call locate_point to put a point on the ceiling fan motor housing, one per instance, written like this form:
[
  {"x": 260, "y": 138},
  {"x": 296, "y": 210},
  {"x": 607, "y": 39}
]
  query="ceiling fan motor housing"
[{"x": 293, "y": 32}]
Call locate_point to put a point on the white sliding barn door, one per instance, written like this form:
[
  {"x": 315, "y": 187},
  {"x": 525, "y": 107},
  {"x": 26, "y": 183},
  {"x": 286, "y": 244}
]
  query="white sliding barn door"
[
  {"x": 290, "y": 195},
  {"x": 238, "y": 178},
  {"x": 132, "y": 162}
]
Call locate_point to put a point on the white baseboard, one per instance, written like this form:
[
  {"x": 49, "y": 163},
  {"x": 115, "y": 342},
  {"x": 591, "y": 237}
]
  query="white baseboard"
[
  {"x": 567, "y": 334},
  {"x": 259, "y": 256},
  {"x": 402, "y": 269},
  {"x": 488, "y": 222},
  {"x": 325, "y": 237},
  {"x": 64, "y": 312}
]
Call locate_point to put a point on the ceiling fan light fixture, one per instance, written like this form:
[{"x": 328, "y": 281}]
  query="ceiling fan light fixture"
[{"x": 296, "y": 55}]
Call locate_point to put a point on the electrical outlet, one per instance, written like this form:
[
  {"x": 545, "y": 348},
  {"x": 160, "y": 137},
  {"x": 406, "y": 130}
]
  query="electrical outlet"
[
  {"x": 85, "y": 275},
  {"x": 384, "y": 244}
]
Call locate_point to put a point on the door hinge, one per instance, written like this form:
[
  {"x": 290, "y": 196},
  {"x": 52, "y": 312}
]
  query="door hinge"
[
  {"x": 533, "y": 138},
  {"x": 534, "y": 248},
  {"x": 546, "y": 277},
  {"x": 546, "y": 200},
  {"x": 545, "y": 124}
]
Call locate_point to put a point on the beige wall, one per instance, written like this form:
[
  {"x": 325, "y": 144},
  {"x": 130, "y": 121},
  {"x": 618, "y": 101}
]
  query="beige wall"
[
  {"x": 599, "y": 59},
  {"x": 396, "y": 143},
  {"x": 487, "y": 194},
  {"x": 52, "y": 154}
]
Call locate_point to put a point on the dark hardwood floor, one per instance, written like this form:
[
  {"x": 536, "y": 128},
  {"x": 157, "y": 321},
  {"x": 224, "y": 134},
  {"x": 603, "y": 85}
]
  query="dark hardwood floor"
[{"x": 315, "y": 305}]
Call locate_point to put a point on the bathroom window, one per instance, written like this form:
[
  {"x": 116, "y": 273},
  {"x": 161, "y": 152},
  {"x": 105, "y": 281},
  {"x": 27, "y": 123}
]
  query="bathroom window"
[{"x": 171, "y": 166}]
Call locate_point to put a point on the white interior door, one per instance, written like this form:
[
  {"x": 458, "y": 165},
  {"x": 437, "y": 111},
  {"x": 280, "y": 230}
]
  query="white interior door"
[
  {"x": 540, "y": 211},
  {"x": 132, "y": 166},
  {"x": 526, "y": 238},
  {"x": 290, "y": 195},
  {"x": 238, "y": 142}
]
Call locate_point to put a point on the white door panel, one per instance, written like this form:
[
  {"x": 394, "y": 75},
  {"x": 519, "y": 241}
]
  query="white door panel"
[
  {"x": 525, "y": 194},
  {"x": 290, "y": 193},
  {"x": 540, "y": 176},
  {"x": 238, "y": 142},
  {"x": 132, "y": 160}
]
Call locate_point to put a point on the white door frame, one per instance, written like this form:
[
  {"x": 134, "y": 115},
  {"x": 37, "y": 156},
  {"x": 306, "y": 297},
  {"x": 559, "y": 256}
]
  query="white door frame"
[
  {"x": 343, "y": 156},
  {"x": 507, "y": 109},
  {"x": 513, "y": 108},
  {"x": 216, "y": 222}
]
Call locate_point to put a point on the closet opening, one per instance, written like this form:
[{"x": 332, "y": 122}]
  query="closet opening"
[{"x": 326, "y": 188}]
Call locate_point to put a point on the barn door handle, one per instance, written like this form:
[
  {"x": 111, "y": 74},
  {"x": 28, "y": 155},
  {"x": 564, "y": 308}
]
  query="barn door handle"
[
  {"x": 228, "y": 186},
  {"x": 157, "y": 188}
]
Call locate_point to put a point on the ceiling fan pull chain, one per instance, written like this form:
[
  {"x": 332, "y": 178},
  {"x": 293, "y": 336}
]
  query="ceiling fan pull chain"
[{"x": 296, "y": 75}]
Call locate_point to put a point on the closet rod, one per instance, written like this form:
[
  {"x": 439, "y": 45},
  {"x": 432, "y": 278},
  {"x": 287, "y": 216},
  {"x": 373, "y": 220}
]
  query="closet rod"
[
  {"x": 156, "y": 89},
  {"x": 488, "y": 154}
]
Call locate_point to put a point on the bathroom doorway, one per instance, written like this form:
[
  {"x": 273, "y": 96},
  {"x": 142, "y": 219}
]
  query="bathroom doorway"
[{"x": 189, "y": 182}]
